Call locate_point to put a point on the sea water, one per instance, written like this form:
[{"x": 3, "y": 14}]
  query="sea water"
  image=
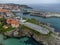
[{"x": 15, "y": 41}]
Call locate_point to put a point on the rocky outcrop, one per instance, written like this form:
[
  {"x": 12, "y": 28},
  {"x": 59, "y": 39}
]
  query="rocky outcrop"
[
  {"x": 19, "y": 33},
  {"x": 39, "y": 38}
]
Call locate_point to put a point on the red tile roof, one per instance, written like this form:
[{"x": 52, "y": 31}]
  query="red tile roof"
[
  {"x": 4, "y": 10},
  {"x": 1, "y": 16},
  {"x": 12, "y": 21}
]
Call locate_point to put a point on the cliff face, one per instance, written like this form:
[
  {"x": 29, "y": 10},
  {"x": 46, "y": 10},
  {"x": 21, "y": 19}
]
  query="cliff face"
[{"x": 25, "y": 32}]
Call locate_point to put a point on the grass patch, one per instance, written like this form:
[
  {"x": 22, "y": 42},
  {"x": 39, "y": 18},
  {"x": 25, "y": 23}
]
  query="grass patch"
[
  {"x": 5, "y": 30},
  {"x": 34, "y": 21},
  {"x": 2, "y": 23},
  {"x": 36, "y": 32}
]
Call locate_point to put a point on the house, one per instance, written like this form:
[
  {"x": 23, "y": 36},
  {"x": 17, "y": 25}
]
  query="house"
[
  {"x": 8, "y": 20},
  {"x": 14, "y": 23},
  {"x": 20, "y": 19},
  {"x": 8, "y": 13},
  {"x": 5, "y": 26},
  {"x": 1, "y": 16}
]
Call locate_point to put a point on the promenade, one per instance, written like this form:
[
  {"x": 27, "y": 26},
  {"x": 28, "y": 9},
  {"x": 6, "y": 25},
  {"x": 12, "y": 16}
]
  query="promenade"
[{"x": 37, "y": 28}]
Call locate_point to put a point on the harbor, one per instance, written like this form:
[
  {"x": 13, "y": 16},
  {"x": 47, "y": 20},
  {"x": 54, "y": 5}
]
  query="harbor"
[
  {"x": 55, "y": 22},
  {"x": 16, "y": 21}
]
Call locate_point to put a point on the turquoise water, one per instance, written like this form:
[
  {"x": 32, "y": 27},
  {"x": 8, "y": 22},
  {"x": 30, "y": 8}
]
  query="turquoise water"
[
  {"x": 14, "y": 41},
  {"x": 55, "y": 22}
]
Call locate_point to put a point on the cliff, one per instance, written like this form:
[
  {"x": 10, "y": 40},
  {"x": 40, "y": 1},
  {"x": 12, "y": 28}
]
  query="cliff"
[{"x": 40, "y": 38}]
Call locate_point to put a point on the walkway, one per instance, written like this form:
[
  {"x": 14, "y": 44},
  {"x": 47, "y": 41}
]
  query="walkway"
[{"x": 37, "y": 28}]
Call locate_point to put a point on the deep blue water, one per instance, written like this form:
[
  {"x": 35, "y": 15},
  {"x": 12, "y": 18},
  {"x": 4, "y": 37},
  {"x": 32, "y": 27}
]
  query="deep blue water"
[{"x": 46, "y": 7}]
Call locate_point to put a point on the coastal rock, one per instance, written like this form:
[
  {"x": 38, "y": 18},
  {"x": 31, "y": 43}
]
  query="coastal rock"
[{"x": 39, "y": 38}]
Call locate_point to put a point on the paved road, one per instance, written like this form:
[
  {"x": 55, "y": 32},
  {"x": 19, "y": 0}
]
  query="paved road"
[{"x": 37, "y": 28}]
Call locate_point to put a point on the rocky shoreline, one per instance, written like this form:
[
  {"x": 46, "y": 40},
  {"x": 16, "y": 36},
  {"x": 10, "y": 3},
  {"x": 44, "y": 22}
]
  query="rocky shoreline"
[
  {"x": 18, "y": 33},
  {"x": 21, "y": 34}
]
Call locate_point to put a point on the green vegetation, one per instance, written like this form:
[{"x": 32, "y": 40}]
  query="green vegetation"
[
  {"x": 36, "y": 32},
  {"x": 34, "y": 21},
  {"x": 24, "y": 18},
  {"x": 45, "y": 37},
  {"x": 8, "y": 29},
  {"x": 2, "y": 23}
]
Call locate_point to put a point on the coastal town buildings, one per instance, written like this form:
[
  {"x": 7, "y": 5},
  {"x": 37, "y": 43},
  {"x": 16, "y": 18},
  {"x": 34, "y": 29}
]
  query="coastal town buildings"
[
  {"x": 5, "y": 26},
  {"x": 14, "y": 23},
  {"x": 1, "y": 16},
  {"x": 20, "y": 19},
  {"x": 8, "y": 14},
  {"x": 7, "y": 11}
]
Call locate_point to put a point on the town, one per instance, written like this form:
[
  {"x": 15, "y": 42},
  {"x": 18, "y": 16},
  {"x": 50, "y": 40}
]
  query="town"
[{"x": 17, "y": 26}]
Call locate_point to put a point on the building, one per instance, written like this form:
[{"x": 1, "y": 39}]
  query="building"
[
  {"x": 8, "y": 20},
  {"x": 1, "y": 16},
  {"x": 5, "y": 26},
  {"x": 20, "y": 19},
  {"x": 14, "y": 23},
  {"x": 8, "y": 14}
]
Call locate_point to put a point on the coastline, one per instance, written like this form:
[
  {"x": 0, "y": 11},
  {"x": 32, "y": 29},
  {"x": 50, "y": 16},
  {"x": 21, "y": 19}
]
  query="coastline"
[
  {"x": 46, "y": 39},
  {"x": 24, "y": 33},
  {"x": 40, "y": 38},
  {"x": 47, "y": 16}
]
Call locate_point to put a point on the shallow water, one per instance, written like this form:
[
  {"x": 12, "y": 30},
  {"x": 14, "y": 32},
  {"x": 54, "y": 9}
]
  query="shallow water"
[{"x": 14, "y": 41}]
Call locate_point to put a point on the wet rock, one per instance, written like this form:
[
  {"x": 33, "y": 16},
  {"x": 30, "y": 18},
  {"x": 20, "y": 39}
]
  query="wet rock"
[{"x": 1, "y": 44}]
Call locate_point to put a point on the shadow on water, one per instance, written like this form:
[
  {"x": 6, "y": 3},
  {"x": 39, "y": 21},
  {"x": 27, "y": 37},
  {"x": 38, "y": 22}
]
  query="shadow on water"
[{"x": 31, "y": 41}]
